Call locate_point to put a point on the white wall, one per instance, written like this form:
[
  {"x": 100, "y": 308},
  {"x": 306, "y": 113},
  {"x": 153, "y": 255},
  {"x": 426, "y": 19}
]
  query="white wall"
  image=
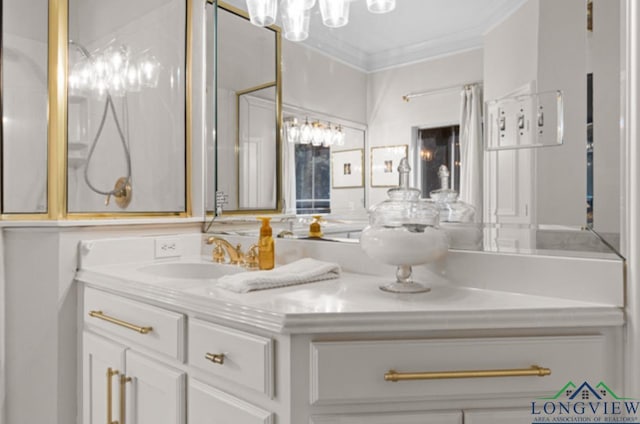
[
  {"x": 541, "y": 45},
  {"x": 391, "y": 119},
  {"x": 316, "y": 82},
  {"x": 561, "y": 171},
  {"x": 41, "y": 328},
  {"x": 326, "y": 88}
]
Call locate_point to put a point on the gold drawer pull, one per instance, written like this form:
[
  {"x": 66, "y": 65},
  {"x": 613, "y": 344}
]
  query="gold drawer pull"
[
  {"x": 216, "y": 358},
  {"x": 110, "y": 373},
  {"x": 100, "y": 315},
  {"x": 534, "y": 371},
  {"x": 123, "y": 398}
]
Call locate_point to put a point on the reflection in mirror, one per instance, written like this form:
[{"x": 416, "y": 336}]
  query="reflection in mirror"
[
  {"x": 256, "y": 148},
  {"x": 248, "y": 114},
  {"x": 24, "y": 106},
  {"x": 362, "y": 72},
  {"x": 127, "y": 139},
  {"x": 323, "y": 164}
]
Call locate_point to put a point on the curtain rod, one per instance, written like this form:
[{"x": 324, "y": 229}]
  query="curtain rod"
[{"x": 410, "y": 96}]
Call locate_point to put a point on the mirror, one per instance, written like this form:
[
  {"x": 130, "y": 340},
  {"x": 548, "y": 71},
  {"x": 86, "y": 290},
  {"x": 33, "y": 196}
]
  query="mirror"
[
  {"x": 428, "y": 52},
  {"x": 127, "y": 108},
  {"x": 24, "y": 107},
  {"x": 248, "y": 114}
]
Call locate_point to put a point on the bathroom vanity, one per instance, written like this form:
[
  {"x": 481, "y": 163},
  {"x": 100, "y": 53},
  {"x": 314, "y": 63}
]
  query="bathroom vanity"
[{"x": 162, "y": 344}]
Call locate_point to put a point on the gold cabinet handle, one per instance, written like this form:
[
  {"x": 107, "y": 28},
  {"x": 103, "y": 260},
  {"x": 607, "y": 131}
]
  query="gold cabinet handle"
[
  {"x": 533, "y": 371},
  {"x": 110, "y": 374},
  {"x": 216, "y": 358},
  {"x": 100, "y": 315},
  {"x": 123, "y": 398}
]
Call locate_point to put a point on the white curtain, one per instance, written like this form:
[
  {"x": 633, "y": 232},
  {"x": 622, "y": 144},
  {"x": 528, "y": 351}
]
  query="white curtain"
[
  {"x": 471, "y": 148},
  {"x": 288, "y": 177}
]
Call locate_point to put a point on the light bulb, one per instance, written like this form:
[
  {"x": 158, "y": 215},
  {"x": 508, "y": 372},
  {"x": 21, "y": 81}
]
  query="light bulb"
[
  {"x": 293, "y": 131},
  {"x": 149, "y": 70},
  {"x": 295, "y": 20},
  {"x": 117, "y": 84},
  {"x": 338, "y": 136},
  {"x": 305, "y": 132},
  {"x": 381, "y": 6},
  {"x": 262, "y": 12},
  {"x": 316, "y": 134},
  {"x": 132, "y": 78},
  {"x": 327, "y": 136},
  {"x": 335, "y": 13},
  {"x": 306, "y": 4}
]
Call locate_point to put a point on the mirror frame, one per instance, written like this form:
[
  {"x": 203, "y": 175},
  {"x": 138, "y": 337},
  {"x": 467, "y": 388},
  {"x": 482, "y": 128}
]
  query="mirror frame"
[
  {"x": 57, "y": 125},
  {"x": 278, "y": 86}
]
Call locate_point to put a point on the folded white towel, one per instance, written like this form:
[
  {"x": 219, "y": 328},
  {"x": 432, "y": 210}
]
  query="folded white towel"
[{"x": 299, "y": 272}]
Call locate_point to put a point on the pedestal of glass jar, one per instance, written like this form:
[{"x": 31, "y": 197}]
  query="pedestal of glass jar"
[{"x": 404, "y": 283}]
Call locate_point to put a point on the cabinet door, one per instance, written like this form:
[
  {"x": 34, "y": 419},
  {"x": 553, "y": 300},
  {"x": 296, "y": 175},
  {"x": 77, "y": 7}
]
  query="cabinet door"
[
  {"x": 212, "y": 406},
  {"x": 101, "y": 359},
  {"x": 499, "y": 416},
  {"x": 454, "y": 417},
  {"x": 155, "y": 393}
]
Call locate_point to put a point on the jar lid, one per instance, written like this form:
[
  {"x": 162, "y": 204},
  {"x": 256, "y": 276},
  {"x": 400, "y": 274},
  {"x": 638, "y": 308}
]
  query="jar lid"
[{"x": 404, "y": 208}]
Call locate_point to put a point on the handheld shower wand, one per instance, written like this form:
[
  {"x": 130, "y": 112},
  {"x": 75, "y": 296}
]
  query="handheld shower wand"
[{"x": 122, "y": 190}]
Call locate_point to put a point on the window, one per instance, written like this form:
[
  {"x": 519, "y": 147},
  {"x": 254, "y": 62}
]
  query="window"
[
  {"x": 313, "y": 179},
  {"x": 439, "y": 146}
]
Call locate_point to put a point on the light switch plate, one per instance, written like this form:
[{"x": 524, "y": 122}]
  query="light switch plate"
[{"x": 168, "y": 247}]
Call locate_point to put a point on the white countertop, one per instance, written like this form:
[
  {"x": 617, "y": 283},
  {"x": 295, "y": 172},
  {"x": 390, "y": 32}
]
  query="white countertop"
[{"x": 353, "y": 303}]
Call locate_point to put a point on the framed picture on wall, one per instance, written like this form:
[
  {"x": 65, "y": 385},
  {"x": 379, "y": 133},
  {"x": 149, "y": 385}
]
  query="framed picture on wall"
[
  {"x": 384, "y": 164},
  {"x": 347, "y": 168}
]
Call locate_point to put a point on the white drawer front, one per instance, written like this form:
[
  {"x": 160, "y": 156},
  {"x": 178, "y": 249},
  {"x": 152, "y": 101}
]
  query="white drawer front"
[
  {"x": 248, "y": 359},
  {"x": 211, "y": 406},
  {"x": 394, "y": 418},
  {"x": 167, "y": 328},
  {"x": 344, "y": 372}
]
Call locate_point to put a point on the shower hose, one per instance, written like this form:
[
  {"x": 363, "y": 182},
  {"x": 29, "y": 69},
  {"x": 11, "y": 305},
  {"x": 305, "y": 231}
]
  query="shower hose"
[{"x": 108, "y": 105}]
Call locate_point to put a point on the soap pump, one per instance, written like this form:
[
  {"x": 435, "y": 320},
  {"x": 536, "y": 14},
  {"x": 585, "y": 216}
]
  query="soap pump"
[
  {"x": 315, "y": 231},
  {"x": 266, "y": 245}
]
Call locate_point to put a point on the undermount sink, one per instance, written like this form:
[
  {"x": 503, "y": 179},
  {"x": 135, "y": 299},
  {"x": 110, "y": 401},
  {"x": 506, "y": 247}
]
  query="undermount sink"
[{"x": 189, "y": 270}]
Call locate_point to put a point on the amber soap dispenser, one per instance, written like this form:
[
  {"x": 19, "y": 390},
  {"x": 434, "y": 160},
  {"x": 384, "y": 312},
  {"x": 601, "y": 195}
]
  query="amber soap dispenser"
[{"x": 266, "y": 245}]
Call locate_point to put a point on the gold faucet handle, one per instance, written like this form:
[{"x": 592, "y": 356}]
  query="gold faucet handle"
[
  {"x": 251, "y": 258},
  {"x": 218, "y": 254}
]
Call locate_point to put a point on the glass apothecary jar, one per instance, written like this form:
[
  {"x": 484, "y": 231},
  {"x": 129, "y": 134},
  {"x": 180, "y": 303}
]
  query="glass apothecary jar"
[{"x": 403, "y": 231}]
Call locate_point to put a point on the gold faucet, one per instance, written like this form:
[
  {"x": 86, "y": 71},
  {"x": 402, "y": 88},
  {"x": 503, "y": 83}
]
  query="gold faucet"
[{"x": 236, "y": 257}]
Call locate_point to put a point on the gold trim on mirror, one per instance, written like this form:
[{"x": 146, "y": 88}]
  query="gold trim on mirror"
[
  {"x": 57, "y": 172},
  {"x": 278, "y": 86},
  {"x": 57, "y": 102}
]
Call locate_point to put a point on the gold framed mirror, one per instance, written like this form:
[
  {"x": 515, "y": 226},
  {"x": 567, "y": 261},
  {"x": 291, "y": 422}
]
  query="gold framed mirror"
[{"x": 248, "y": 114}]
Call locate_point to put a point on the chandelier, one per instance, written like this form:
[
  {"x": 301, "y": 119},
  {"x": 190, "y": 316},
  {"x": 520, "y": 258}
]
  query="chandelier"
[
  {"x": 314, "y": 133},
  {"x": 295, "y": 14},
  {"x": 113, "y": 70}
]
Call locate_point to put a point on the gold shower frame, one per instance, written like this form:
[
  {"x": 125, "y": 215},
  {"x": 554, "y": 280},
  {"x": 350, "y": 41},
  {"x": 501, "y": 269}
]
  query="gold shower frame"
[{"x": 57, "y": 174}]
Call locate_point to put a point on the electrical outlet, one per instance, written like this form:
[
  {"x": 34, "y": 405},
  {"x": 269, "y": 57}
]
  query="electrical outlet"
[{"x": 168, "y": 247}]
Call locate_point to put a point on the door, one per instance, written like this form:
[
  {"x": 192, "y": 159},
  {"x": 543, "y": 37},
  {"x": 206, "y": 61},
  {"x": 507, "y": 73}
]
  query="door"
[
  {"x": 499, "y": 416},
  {"x": 208, "y": 405},
  {"x": 155, "y": 393},
  {"x": 103, "y": 364}
]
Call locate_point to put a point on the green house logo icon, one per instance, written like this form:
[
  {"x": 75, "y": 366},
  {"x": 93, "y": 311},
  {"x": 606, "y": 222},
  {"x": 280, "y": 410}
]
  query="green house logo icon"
[{"x": 586, "y": 392}]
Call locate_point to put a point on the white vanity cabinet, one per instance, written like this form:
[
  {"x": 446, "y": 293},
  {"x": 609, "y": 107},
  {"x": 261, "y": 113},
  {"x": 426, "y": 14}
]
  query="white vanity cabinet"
[
  {"x": 121, "y": 384},
  {"x": 208, "y": 363}
]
